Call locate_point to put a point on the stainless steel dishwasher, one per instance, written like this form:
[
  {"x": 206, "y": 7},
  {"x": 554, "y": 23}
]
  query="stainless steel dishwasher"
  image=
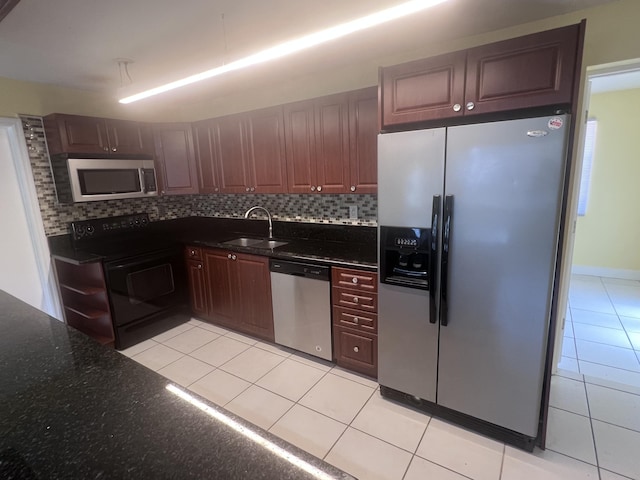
[{"x": 301, "y": 297}]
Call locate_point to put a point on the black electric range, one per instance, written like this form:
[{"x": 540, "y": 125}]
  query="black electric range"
[{"x": 144, "y": 272}]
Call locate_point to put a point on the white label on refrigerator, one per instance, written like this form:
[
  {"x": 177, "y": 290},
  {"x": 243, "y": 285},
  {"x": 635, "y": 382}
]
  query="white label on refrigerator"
[{"x": 555, "y": 123}]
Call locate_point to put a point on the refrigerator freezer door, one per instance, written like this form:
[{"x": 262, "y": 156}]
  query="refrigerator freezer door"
[
  {"x": 506, "y": 181},
  {"x": 410, "y": 173}
]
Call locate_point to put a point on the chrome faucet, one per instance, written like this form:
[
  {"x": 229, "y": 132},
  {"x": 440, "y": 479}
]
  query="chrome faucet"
[{"x": 258, "y": 207}]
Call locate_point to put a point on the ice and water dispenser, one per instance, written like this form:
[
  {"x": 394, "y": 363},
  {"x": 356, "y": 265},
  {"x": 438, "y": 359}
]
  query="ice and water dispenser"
[{"x": 405, "y": 255}]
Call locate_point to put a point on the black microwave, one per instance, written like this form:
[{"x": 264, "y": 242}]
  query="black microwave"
[{"x": 91, "y": 179}]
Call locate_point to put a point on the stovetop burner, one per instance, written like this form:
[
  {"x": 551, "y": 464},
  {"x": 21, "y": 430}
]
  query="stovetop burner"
[{"x": 116, "y": 238}]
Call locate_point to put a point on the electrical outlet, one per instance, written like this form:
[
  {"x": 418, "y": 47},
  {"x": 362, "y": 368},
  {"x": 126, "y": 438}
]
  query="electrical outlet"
[{"x": 353, "y": 212}]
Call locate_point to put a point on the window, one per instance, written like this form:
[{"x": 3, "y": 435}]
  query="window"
[{"x": 587, "y": 162}]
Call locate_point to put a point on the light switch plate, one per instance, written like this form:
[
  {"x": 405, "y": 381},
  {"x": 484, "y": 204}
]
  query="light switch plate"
[{"x": 353, "y": 212}]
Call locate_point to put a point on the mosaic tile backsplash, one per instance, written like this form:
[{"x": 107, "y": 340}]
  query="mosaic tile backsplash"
[{"x": 332, "y": 209}]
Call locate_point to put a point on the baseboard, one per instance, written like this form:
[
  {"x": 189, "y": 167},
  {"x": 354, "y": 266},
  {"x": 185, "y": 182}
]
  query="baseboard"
[{"x": 606, "y": 272}]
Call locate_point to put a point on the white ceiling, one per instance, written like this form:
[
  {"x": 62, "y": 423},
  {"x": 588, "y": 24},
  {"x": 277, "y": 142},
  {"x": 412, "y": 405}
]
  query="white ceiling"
[{"x": 75, "y": 43}]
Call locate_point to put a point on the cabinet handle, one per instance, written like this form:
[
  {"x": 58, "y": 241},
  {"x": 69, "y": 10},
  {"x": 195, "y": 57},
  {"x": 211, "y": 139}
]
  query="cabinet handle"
[
  {"x": 319, "y": 189},
  {"x": 355, "y": 299},
  {"x": 354, "y": 279},
  {"x": 193, "y": 253},
  {"x": 353, "y": 188},
  {"x": 313, "y": 188},
  {"x": 253, "y": 189},
  {"x": 229, "y": 256},
  {"x": 216, "y": 189},
  {"x": 114, "y": 149},
  {"x": 106, "y": 149},
  {"x": 199, "y": 266},
  {"x": 457, "y": 107},
  {"x": 247, "y": 189},
  {"x": 355, "y": 320},
  {"x": 356, "y": 349},
  {"x": 233, "y": 257},
  {"x": 470, "y": 105},
  {"x": 162, "y": 192}
]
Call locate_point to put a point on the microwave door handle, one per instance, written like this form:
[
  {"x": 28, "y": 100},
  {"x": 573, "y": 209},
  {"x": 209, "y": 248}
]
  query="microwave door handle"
[{"x": 143, "y": 185}]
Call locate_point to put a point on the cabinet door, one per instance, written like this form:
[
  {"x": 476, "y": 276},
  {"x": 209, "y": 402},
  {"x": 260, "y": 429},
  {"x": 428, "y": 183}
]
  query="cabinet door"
[
  {"x": 231, "y": 154},
  {"x": 266, "y": 150},
  {"x": 126, "y": 137},
  {"x": 176, "y": 161},
  {"x": 222, "y": 287},
  {"x": 197, "y": 287},
  {"x": 300, "y": 147},
  {"x": 363, "y": 139},
  {"x": 530, "y": 71},
  {"x": 254, "y": 295},
  {"x": 356, "y": 350},
  {"x": 76, "y": 134},
  {"x": 422, "y": 90},
  {"x": 203, "y": 137},
  {"x": 332, "y": 143}
]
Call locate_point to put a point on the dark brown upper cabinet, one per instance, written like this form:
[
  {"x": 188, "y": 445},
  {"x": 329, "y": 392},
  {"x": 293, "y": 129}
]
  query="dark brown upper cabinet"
[
  {"x": 243, "y": 153},
  {"x": 95, "y": 136},
  {"x": 331, "y": 143},
  {"x": 175, "y": 159},
  {"x": 531, "y": 71},
  {"x": 204, "y": 133},
  {"x": 266, "y": 150},
  {"x": 363, "y": 140},
  {"x": 426, "y": 89}
]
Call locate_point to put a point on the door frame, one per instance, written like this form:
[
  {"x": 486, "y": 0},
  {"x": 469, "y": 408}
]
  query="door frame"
[
  {"x": 31, "y": 208},
  {"x": 594, "y": 71}
]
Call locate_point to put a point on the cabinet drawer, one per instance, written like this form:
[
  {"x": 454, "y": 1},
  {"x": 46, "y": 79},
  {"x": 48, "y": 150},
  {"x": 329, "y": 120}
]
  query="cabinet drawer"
[
  {"x": 356, "y": 350},
  {"x": 366, "y": 322},
  {"x": 365, "y": 301},
  {"x": 193, "y": 253},
  {"x": 354, "y": 279}
]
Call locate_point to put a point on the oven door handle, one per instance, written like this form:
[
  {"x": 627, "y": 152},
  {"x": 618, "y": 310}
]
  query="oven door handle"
[{"x": 166, "y": 254}]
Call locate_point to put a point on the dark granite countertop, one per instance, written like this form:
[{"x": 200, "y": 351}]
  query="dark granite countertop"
[
  {"x": 321, "y": 243},
  {"x": 73, "y": 409}
]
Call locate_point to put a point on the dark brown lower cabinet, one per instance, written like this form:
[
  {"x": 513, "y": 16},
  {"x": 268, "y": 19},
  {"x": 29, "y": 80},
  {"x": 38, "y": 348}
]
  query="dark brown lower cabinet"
[
  {"x": 355, "y": 320},
  {"x": 231, "y": 289},
  {"x": 356, "y": 350},
  {"x": 85, "y": 300}
]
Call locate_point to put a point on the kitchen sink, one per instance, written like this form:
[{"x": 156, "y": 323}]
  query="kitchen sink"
[
  {"x": 244, "y": 242},
  {"x": 269, "y": 244},
  {"x": 255, "y": 242}
]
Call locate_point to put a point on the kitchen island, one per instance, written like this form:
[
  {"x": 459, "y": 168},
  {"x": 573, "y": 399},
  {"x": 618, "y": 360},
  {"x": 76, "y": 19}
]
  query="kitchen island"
[{"x": 71, "y": 408}]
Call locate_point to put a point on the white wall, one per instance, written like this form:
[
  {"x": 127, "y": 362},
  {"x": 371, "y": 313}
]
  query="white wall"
[{"x": 19, "y": 272}]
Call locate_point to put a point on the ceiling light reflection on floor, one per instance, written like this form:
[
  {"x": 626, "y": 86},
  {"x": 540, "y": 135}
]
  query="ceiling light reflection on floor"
[
  {"x": 296, "y": 45},
  {"x": 251, "y": 434}
]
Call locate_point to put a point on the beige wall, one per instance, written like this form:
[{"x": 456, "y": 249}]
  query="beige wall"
[
  {"x": 612, "y": 35},
  {"x": 608, "y": 236}
]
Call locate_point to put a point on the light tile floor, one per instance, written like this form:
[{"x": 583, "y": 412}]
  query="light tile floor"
[
  {"x": 602, "y": 329},
  {"x": 594, "y": 432}
]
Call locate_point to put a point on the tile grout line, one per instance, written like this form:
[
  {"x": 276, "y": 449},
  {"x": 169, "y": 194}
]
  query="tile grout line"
[
  {"x": 348, "y": 425},
  {"x": 504, "y": 451},
  {"x": 593, "y": 433}
]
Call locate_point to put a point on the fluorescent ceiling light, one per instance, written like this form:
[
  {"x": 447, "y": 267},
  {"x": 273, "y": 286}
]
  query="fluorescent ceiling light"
[{"x": 294, "y": 46}]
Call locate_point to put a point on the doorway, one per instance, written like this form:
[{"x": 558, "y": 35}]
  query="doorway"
[
  {"x": 25, "y": 265},
  {"x": 602, "y": 322}
]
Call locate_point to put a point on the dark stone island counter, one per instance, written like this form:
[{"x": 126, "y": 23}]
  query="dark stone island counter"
[{"x": 73, "y": 409}]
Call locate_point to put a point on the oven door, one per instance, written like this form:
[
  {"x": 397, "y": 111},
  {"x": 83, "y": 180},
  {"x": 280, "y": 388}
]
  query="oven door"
[{"x": 146, "y": 285}]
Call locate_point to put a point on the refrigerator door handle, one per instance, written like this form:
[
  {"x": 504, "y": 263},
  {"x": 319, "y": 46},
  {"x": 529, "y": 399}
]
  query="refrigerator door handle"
[
  {"x": 444, "y": 265},
  {"x": 433, "y": 258}
]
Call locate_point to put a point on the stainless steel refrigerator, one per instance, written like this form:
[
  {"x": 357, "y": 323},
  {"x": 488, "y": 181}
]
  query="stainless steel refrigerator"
[{"x": 468, "y": 234}]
